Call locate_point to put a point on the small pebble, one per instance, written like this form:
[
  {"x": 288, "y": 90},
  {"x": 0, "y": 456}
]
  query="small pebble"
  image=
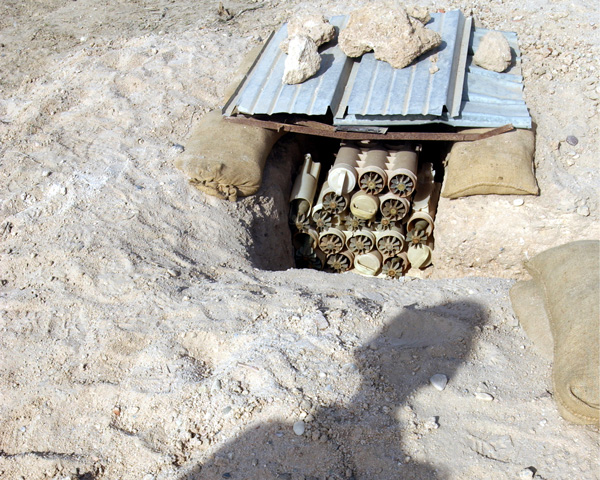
[
  {"x": 178, "y": 148},
  {"x": 572, "y": 140},
  {"x": 484, "y": 396},
  {"x": 439, "y": 381},
  {"x": 583, "y": 210},
  {"x": 432, "y": 424},
  {"x": 527, "y": 473},
  {"x": 299, "y": 427},
  {"x": 321, "y": 321},
  {"x": 518, "y": 202},
  {"x": 46, "y": 173}
]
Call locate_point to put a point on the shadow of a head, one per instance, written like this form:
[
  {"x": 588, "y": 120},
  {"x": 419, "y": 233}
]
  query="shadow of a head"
[{"x": 362, "y": 439}]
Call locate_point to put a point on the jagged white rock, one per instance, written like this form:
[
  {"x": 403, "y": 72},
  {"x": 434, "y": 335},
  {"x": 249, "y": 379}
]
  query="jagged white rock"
[
  {"x": 315, "y": 27},
  {"x": 303, "y": 60},
  {"x": 394, "y": 37},
  {"x": 493, "y": 52}
]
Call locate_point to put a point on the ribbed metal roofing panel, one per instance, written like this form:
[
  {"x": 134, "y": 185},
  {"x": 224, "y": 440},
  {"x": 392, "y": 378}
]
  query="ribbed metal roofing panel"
[
  {"x": 380, "y": 89},
  {"x": 265, "y": 93},
  {"x": 458, "y": 94},
  {"x": 489, "y": 99}
]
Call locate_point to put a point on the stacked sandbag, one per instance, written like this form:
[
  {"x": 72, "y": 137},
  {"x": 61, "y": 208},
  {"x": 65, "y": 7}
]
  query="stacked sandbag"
[
  {"x": 226, "y": 159},
  {"x": 559, "y": 310},
  {"x": 372, "y": 214},
  {"x": 499, "y": 165}
]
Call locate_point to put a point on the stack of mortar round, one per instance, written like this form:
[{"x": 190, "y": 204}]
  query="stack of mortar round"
[{"x": 374, "y": 214}]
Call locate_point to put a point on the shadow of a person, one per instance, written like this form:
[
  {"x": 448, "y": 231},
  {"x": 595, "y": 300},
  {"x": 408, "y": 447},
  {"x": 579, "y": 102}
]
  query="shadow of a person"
[{"x": 361, "y": 440}]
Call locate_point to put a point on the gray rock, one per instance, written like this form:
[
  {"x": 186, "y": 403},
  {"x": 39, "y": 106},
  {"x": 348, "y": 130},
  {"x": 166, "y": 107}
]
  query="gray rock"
[
  {"x": 493, "y": 52},
  {"x": 303, "y": 60},
  {"x": 388, "y": 31},
  {"x": 315, "y": 27}
]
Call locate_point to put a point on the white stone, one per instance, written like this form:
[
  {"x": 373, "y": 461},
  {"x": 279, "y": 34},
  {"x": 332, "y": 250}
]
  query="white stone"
[
  {"x": 303, "y": 60},
  {"x": 526, "y": 473},
  {"x": 315, "y": 27},
  {"x": 299, "y": 427},
  {"x": 394, "y": 36},
  {"x": 486, "y": 397},
  {"x": 518, "y": 202},
  {"x": 493, "y": 52},
  {"x": 439, "y": 381}
]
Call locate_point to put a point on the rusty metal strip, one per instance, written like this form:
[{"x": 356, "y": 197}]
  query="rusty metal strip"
[{"x": 324, "y": 130}]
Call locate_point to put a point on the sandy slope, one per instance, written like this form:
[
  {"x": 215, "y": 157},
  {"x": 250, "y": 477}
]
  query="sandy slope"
[{"x": 148, "y": 329}]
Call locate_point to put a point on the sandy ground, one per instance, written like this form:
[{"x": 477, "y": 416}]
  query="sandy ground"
[{"x": 151, "y": 332}]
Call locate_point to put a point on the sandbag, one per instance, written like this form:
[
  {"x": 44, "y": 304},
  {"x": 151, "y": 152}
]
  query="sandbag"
[
  {"x": 502, "y": 165},
  {"x": 566, "y": 278},
  {"x": 528, "y": 303},
  {"x": 226, "y": 159}
]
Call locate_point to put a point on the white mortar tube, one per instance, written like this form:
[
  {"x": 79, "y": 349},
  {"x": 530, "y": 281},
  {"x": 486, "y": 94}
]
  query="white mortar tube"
[
  {"x": 342, "y": 176},
  {"x": 368, "y": 263}
]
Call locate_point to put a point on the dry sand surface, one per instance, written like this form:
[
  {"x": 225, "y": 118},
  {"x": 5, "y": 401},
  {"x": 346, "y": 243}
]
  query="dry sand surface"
[{"x": 150, "y": 332}]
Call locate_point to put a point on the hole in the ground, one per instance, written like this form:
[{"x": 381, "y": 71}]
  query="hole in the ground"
[{"x": 291, "y": 235}]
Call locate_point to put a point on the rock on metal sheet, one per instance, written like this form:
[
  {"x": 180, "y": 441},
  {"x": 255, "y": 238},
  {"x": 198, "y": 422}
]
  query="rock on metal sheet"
[
  {"x": 265, "y": 93},
  {"x": 379, "y": 89},
  {"x": 489, "y": 99}
]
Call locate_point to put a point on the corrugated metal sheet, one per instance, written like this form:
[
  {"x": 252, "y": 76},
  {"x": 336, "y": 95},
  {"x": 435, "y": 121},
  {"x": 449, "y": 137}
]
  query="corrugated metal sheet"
[
  {"x": 380, "y": 89},
  {"x": 489, "y": 99},
  {"x": 369, "y": 92},
  {"x": 265, "y": 93}
]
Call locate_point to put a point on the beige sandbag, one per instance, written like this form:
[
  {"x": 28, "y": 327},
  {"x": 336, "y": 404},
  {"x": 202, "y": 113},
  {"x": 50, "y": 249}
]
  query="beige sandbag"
[
  {"x": 226, "y": 159},
  {"x": 502, "y": 164},
  {"x": 528, "y": 303},
  {"x": 567, "y": 278}
]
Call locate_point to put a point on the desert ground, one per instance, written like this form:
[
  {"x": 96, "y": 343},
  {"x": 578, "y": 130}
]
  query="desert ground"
[{"x": 149, "y": 331}]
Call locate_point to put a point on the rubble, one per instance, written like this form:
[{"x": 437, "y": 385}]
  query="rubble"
[
  {"x": 394, "y": 37},
  {"x": 303, "y": 60},
  {"x": 493, "y": 52},
  {"x": 315, "y": 27}
]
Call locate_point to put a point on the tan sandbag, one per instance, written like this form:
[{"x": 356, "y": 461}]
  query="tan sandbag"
[
  {"x": 226, "y": 159},
  {"x": 502, "y": 165},
  {"x": 528, "y": 303},
  {"x": 567, "y": 278}
]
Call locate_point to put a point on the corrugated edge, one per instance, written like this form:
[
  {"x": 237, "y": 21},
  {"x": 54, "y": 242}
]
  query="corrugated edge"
[
  {"x": 230, "y": 106},
  {"x": 459, "y": 66}
]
